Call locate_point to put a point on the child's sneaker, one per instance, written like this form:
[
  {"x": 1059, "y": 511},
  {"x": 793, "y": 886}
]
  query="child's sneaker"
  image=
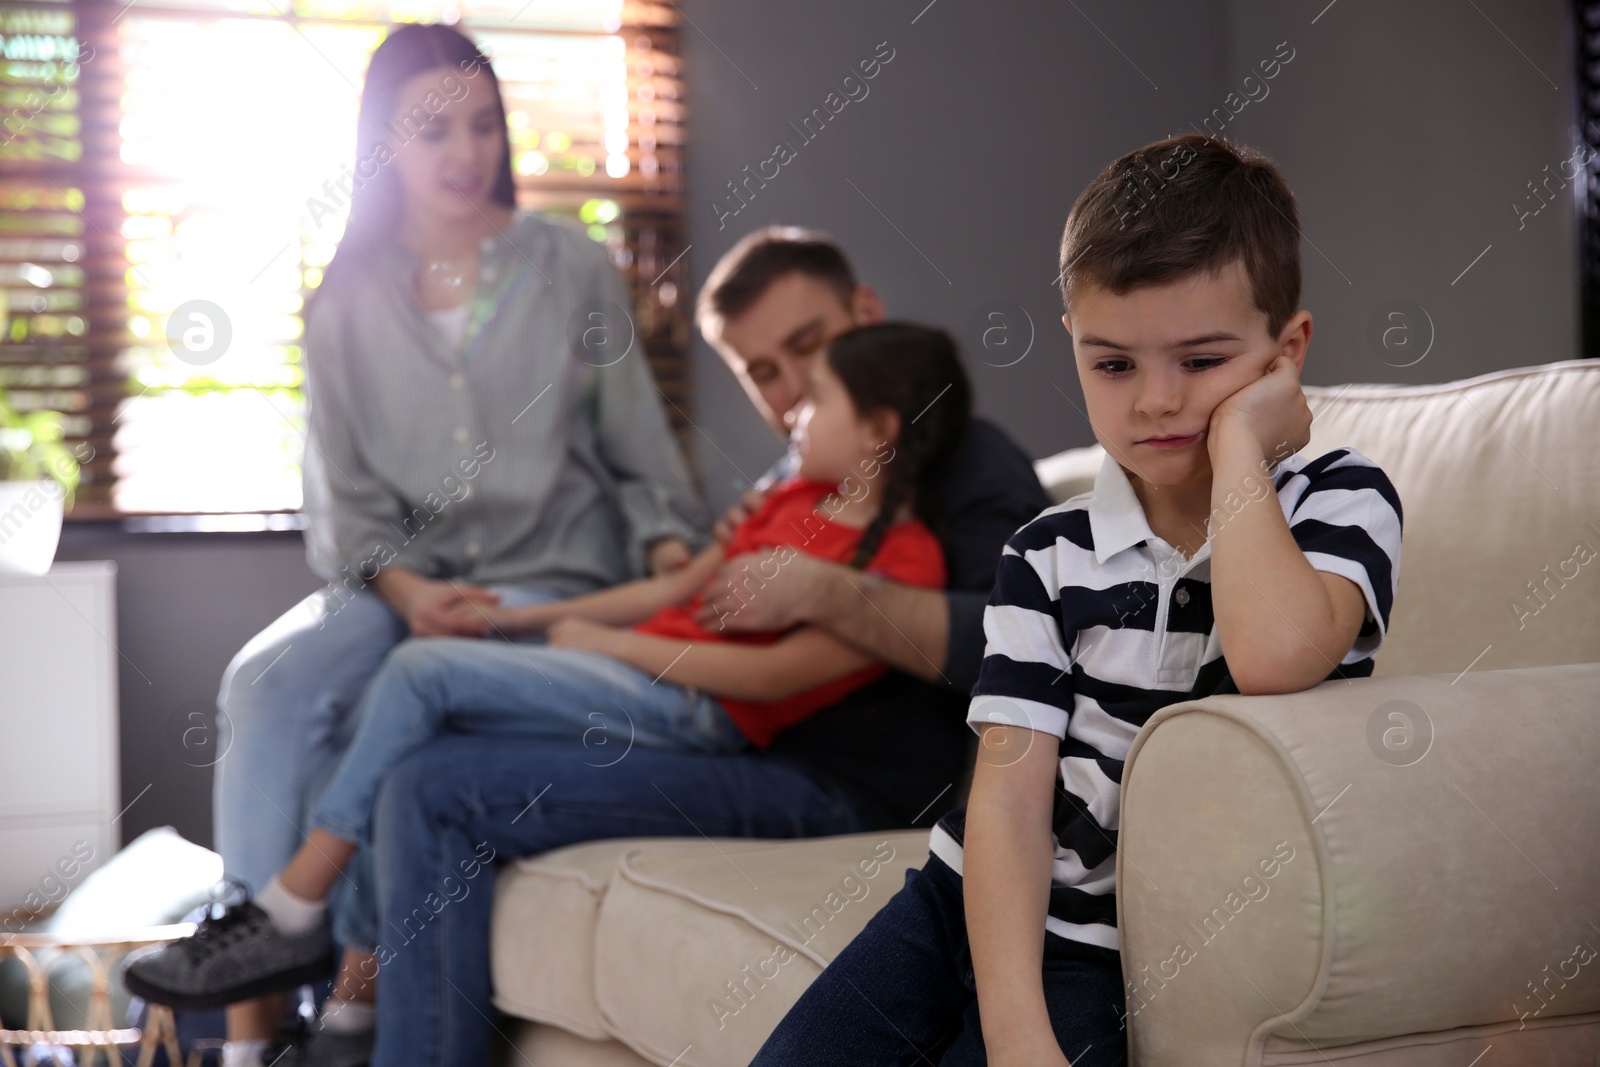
[
  {"x": 232, "y": 957},
  {"x": 326, "y": 1048}
]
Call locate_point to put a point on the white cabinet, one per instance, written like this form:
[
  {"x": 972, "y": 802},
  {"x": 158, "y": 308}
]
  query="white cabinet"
[{"x": 58, "y": 732}]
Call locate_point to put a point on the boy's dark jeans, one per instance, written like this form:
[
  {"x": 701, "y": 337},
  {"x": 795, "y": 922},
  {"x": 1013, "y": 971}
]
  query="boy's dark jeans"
[{"x": 902, "y": 992}]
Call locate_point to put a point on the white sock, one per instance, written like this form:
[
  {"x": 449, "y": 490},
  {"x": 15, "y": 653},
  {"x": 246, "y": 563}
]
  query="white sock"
[
  {"x": 291, "y": 915},
  {"x": 348, "y": 1016},
  {"x": 244, "y": 1053}
]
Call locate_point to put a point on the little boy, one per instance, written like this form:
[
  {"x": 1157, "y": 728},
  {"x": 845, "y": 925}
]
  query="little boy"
[{"x": 1208, "y": 558}]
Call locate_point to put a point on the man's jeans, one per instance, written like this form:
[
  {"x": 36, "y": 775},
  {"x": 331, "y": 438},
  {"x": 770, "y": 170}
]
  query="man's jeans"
[
  {"x": 495, "y": 689},
  {"x": 449, "y": 811},
  {"x": 288, "y": 701},
  {"x": 903, "y": 992}
]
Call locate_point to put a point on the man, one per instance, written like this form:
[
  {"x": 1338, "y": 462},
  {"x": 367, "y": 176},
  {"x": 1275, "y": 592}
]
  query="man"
[{"x": 889, "y": 756}]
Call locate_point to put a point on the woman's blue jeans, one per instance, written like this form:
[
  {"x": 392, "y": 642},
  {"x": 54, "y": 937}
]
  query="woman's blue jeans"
[{"x": 289, "y": 703}]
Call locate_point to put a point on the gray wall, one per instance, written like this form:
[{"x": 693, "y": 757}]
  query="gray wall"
[
  {"x": 971, "y": 147},
  {"x": 1406, "y": 131},
  {"x": 185, "y": 604}
]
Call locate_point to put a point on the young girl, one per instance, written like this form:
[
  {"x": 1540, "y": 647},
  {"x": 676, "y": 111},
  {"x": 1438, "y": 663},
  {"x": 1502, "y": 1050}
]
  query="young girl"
[{"x": 885, "y": 406}]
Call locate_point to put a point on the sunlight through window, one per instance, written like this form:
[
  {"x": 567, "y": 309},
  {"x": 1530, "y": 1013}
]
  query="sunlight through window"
[{"x": 220, "y": 191}]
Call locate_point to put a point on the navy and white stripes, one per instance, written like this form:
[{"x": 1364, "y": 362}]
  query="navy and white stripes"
[{"x": 1095, "y": 624}]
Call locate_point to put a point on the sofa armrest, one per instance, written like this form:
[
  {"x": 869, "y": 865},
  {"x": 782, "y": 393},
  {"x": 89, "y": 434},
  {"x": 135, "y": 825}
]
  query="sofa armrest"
[{"x": 1370, "y": 858}]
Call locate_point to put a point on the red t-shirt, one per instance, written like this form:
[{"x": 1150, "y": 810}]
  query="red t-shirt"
[{"x": 790, "y": 515}]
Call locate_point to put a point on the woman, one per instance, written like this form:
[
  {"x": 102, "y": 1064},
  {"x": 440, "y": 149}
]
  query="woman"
[{"x": 478, "y": 434}]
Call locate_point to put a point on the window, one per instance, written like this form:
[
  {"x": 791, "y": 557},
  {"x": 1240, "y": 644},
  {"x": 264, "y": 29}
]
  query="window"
[{"x": 172, "y": 151}]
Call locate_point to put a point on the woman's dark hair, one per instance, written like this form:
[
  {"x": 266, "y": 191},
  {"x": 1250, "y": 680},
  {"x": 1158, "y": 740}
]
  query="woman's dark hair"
[
  {"x": 914, "y": 371},
  {"x": 376, "y": 196}
]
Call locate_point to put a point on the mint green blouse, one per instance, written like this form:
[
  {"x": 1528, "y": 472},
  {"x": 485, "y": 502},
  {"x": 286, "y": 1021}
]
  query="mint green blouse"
[{"x": 536, "y": 450}]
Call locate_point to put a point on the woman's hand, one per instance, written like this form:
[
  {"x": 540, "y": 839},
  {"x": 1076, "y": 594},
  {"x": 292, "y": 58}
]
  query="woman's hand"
[
  {"x": 583, "y": 635},
  {"x": 495, "y": 619},
  {"x": 435, "y": 608},
  {"x": 1272, "y": 411},
  {"x": 444, "y": 609},
  {"x": 668, "y": 554}
]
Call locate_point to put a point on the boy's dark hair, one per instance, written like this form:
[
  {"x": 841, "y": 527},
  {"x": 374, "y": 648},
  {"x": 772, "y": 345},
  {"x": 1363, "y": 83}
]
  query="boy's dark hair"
[
  {"x": 1181, "y": 206},
  {"x": 761, "y": 258},
  {"x": 916, "y": 372}
]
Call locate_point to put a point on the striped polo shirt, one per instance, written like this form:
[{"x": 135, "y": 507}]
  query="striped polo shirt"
[{"x": 1095, "y": 624}]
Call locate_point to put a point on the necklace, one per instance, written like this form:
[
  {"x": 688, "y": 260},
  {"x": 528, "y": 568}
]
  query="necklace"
[
  {"x": 446, "y": 274},
  {"x": 447, "y": 282}
]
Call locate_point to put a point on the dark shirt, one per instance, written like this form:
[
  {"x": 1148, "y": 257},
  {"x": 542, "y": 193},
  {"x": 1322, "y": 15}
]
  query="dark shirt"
[{"x": 898, "y": 748}]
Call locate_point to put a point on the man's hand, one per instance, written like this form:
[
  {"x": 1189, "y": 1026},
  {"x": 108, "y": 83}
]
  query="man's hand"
[
  {"x": 581, "y": 634},
  {"x": 723, "y": 530},
  {"x": 758, "y": 592},
  {"x": 434, "y": 608},
  {"x": 776, "y": 590},
  {"x": 1272, "y": 410},
  {"x": 668, "y": 554}
]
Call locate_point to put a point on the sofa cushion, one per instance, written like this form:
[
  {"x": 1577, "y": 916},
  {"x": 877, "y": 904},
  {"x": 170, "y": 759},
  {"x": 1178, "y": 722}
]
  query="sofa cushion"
[
  {"x": 551, "y": 1046},
  {"x": 701, "y": 950},
  {"x": 541, "y": 954},
  {"x": 1501, "y": 489},
  {"x": 1560, "y": 1041}
]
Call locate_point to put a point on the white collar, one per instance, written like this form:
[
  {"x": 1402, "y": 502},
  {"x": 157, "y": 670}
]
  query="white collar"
[{"x": 1117, "y": 519}]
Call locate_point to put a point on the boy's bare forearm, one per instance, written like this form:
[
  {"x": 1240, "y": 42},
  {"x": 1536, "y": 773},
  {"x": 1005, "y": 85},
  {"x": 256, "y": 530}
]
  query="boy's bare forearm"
[
  {"x": 1273, "y": 612},
  {"x": 1007, "y": 859}
]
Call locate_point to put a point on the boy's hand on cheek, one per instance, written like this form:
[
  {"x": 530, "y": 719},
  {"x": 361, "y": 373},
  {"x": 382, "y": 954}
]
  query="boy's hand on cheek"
[{"x": 1271, "y": 411}]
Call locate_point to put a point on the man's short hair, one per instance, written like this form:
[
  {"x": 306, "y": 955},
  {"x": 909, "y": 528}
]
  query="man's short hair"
[
  {"x": 1181, "y": 206},
  {"x": 761, "y": 258}
]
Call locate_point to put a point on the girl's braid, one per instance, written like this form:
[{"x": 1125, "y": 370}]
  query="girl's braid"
[{"x": 904, "y": 470}]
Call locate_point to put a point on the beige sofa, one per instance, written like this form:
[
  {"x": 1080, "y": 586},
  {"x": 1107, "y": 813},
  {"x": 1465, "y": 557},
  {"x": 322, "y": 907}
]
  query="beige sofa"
[{"x": 1400, "y": 870}]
